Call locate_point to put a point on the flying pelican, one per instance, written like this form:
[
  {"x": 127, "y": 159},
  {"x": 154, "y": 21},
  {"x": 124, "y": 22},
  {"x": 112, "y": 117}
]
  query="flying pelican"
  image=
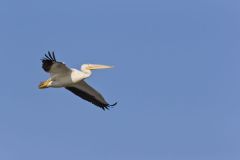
[{"x": 73, "y": 79}]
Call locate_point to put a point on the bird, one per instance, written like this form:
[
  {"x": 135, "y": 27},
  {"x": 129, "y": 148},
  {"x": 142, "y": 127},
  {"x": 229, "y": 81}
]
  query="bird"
[{"x": 61, "y": 76}]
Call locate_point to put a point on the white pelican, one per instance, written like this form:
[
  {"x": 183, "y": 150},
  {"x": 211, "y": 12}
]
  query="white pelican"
[{"x": 73, "y": 79}]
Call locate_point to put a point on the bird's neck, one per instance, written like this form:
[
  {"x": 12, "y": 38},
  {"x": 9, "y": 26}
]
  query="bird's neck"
[{"x": 87, "y": 72}]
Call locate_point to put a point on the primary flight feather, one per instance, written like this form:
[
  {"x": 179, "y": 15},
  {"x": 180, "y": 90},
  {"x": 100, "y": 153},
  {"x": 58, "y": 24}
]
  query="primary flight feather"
[{"x": 73, "y": 79}]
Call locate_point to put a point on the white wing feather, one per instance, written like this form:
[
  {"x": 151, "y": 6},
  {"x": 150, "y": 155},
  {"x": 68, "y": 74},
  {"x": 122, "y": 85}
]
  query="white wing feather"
[{"x": 59, "y": 68}]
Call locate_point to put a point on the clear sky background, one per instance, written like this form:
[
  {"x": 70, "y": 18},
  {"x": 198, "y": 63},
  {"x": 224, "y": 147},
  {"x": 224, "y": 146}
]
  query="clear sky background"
[{"x": 176, "y": 78}]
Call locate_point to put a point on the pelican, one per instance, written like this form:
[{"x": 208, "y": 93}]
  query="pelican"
[{"x": 73, "y": 79}]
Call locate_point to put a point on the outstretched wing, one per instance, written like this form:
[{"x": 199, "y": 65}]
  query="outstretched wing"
[
  {"x": 86, "y": 92},
  {"x": 52, "y": 66}
]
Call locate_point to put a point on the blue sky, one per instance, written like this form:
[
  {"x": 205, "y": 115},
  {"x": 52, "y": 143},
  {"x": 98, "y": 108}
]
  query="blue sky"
[{"x": 176, "y": 78}]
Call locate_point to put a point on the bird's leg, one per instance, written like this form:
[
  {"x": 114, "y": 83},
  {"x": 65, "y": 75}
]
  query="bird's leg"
[{"x": 45, "y": 84}]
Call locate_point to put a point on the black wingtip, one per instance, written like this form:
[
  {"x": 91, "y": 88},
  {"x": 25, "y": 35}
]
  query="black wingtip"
[
  {"x": 109, "y": 106},
  {"x": 53, "y": 55},
  {"x": 47, "y": 56},
  {"x": 105, "y": 108},
  {"x": 50, "y": 56},
  {"x": 48, "y": 61},
  {"x": 114, "y": 104}
]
